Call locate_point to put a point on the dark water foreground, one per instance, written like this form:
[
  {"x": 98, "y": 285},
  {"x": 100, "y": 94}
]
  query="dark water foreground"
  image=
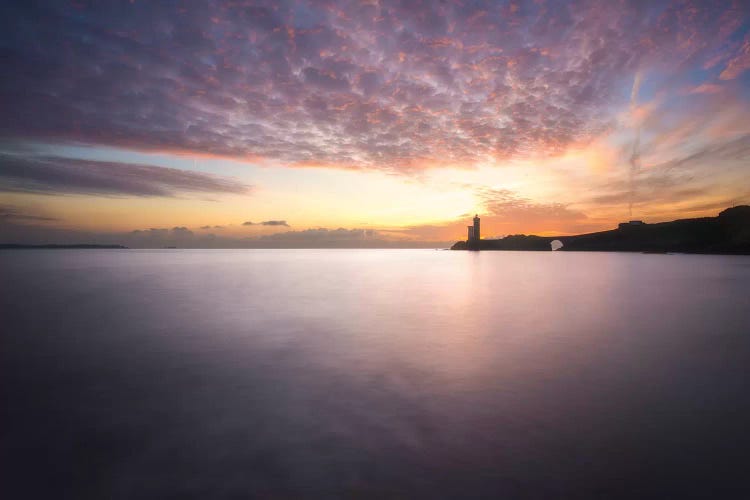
[{"x": 373, "y": 374}]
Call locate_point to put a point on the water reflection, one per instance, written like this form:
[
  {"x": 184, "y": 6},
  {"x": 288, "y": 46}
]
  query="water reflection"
[{"x": 288, "y": 374}]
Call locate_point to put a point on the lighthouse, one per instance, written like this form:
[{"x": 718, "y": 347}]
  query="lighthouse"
[{"x": 472, "y": 241}]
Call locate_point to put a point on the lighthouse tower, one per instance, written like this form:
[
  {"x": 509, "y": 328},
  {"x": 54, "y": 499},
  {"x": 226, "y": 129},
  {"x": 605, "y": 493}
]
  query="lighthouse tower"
[{"x": 472, "y": 241}]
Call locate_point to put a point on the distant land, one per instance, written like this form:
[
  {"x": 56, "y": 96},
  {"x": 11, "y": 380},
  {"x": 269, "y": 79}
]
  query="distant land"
[
  {"x": 729, "y": 233},
  {"x": 13, "y": 246}
]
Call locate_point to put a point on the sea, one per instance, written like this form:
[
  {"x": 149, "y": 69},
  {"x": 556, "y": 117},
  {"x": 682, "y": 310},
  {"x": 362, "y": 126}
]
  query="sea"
[{"x": 140, "y": 374}]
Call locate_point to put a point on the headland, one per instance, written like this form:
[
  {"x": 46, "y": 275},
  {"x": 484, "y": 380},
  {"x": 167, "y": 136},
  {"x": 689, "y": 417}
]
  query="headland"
[{"x": 728, "y": 233}]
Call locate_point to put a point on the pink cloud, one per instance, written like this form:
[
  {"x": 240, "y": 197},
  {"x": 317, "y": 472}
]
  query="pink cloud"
[
  {"x": 390, "y": 85},
  {"x": 706, "y": 88},
  {"x": 739, "y": 63}
]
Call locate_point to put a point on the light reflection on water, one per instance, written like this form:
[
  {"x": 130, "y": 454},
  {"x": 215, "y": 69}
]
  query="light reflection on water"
[{"x": 373, "y": 373}]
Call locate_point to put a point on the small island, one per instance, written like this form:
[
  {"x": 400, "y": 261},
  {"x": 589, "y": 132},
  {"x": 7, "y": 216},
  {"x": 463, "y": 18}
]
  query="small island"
[{"x": 728, "y": 233}]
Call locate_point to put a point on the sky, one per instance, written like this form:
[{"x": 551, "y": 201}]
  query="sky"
[{"x": 232, "y": 123}]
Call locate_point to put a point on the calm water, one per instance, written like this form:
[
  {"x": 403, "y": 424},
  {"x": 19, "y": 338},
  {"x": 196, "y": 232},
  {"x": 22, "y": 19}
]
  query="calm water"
[{"x": 373, "y": 374}]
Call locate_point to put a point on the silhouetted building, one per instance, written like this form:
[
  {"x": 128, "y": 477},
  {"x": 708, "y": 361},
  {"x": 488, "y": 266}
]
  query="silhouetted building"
[
  {"x": 471, "y": 233},
  {"x": 476, "y": 234}
]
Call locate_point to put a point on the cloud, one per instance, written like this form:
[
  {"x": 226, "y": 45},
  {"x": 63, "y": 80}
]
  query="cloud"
[
  {"x": 739, "y": 63},
  {"x": 321, "y": 234},
  {"x": 706, "y": 88},
  {"x": 275, "y": 223},
  {"x": 13, "y": 214},
  {"x": 182, "y": 231},
  {"x": 158, "y": 237},
  {"x": 56, "y": 175},
  {"x": 183, "y": 237},
  {"x": 504, "y": 208},
  {"x": 735, "y": 149},
  {"x": 338, "y": 238},
  {"x": 267, "y": 223},
  {"x": 680, "y": 182},
  {"x": 386, "y": 86}
]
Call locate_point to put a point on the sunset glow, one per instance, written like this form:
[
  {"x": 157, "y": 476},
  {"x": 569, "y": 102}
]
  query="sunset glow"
[{"x": 149, "y": 123}]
